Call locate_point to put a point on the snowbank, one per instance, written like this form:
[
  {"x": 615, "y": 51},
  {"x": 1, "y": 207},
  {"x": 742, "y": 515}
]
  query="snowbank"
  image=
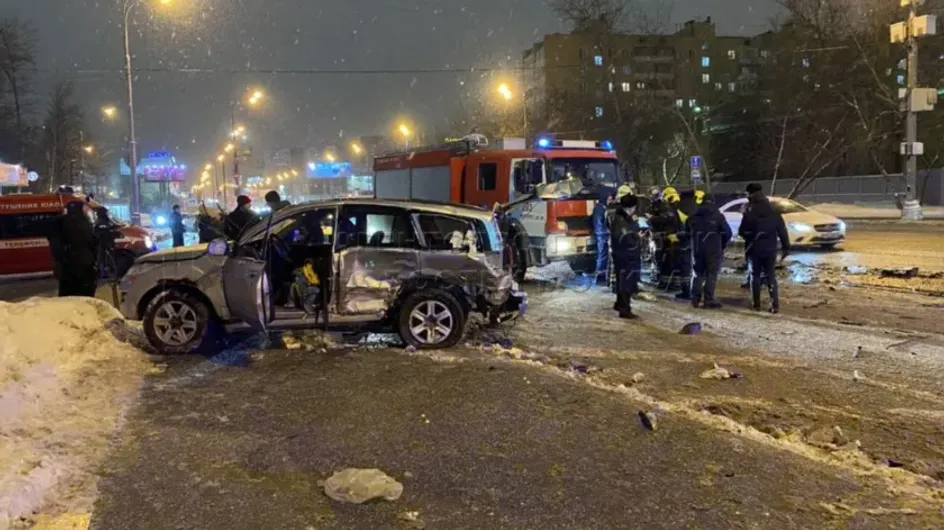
[
  {"x": 65, "y": 378},
  {"x": 872, "y": 211}
]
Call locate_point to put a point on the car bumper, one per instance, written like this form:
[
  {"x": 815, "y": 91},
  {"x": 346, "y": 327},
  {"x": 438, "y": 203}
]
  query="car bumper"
[
  {"x": 562, "y": 247},
  {"x": 514, "y": 307},
  {"x": 819, "y": 238}
]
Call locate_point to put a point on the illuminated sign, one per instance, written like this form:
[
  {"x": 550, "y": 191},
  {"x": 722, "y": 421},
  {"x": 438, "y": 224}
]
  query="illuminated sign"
[
  {"x": 329, "y": 170},
  {"x": 13, "y": 175},
  {"x": 158, "y": 166}
]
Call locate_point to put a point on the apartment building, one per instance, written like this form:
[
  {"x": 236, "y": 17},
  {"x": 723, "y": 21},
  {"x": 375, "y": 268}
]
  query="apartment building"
[{"x": 692, "y": 68}]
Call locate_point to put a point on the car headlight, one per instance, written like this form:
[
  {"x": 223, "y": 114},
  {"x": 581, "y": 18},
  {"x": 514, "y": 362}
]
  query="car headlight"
[
  {"x": 148, "y": 242},
  {"x": 801, "y": 227},
  {"x": 842, "y": 227},
  {"x": 562, "y": 225}
]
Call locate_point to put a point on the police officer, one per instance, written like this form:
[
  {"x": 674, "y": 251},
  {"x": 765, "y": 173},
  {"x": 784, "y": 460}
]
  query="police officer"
[
  {"x": 761, "y": 228},
  {"x": 624, "y": 242},
  {"x": 177, "y": 226},
  {"x": 601, "y": 231},
  {"x": 710, "y": 234},
  {"x": 74, "y": 247}
]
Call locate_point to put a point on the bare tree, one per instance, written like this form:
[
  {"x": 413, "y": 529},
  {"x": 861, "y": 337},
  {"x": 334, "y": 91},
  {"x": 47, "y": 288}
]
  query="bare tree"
[
  {"x": 62, "y": 130},
  {"x": 17, "y": 62}
]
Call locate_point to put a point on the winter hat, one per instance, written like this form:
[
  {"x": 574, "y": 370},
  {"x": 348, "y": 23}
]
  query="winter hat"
[
  {"x": 273, "y": 196},
  {"x": 243, "y": 200},
  {"x": 628, "y": 201},
  {"x": 754, "y": 187}
]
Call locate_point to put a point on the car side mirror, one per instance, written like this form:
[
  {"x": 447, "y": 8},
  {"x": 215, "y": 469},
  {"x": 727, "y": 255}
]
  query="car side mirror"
[{"x": 218, "y": 247}]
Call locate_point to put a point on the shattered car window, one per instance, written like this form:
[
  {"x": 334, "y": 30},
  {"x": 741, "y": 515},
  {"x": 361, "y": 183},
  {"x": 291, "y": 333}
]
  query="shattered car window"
[{"x": 440, "y": 231}]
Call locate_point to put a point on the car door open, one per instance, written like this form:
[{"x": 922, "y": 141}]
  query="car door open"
[{"x": 247, "y": 290}]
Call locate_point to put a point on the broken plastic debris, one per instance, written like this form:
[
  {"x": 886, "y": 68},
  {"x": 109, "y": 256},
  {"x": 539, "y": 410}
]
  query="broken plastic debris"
[
  {"x": 638, "y": 377},
  {"x": 899, "y": 273},
  {"x": 857, "y": 269},
  {"x": 692, "y": 328},
  {"x": 648, "y": 420},
  {"x": 358, "y": 486},
  {"x": 719, "y": 374}
]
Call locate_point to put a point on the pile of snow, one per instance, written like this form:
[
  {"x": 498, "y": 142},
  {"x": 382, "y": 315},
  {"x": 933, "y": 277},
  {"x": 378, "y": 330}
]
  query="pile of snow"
[
  {"x": 65, "y": 377},
  {"x": 872, "y": 211}
]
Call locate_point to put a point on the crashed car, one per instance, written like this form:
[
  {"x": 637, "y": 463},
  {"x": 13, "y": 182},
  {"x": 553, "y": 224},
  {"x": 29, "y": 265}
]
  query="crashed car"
[{"x": 415, "y": 268}]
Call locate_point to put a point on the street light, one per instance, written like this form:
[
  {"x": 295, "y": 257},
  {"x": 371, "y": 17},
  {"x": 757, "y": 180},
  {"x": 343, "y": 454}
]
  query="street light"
[
  {"x": 109, "y": 112},
  {"x": 229, "y": 148},
  {"x": 330, "y": 157},
  {"x": 89, "y": 149},
  {"x": 129, "y": 6},
  {"x": 505, "y": 91},
  {"x": 208, "y": 167},
  {"x": 357, "y": 148},
  {"x": 406, "y": 133}
]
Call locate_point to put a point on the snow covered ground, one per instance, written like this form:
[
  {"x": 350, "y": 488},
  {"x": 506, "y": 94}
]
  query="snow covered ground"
[{"x": 66, "y": 375}]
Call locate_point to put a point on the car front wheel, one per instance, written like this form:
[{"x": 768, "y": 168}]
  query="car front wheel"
[
  {"x": 431, "y": 319},
  {"x": 176, "y": 322}
]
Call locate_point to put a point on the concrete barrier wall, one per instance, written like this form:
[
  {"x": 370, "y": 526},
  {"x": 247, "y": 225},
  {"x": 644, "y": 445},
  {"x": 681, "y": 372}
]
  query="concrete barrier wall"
[{"x": 854, "y": 189}]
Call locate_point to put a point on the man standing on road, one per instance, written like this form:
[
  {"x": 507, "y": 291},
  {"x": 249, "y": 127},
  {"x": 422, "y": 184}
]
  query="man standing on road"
[
  {"x": 602, "y": 233},
  {"x": 74, "y": 247},
  {"x": 274, "y": 201},
  {"x": 624, "y": 243},
  {"x": 240, "y": 218},
  {"x": 761, "y": 228},
  {"x": 177, "y": 226},
  {"x": 753, "y": 190},
  {"x": 710, "y": 234}
]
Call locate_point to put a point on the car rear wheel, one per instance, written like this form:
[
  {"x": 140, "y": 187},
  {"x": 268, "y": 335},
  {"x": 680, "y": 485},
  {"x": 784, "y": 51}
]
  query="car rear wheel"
[
  {"x": 176, "y": 322},
  {"x": 431, "y": 319}
]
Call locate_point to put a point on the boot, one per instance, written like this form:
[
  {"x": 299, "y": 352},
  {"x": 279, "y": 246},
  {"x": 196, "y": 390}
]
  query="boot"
[
  {"x": 774, "y": 310},
  {"x": 696, "y": 302},
  {"x": 712, "y": 304},
  {"x": 627, "y": 314}
]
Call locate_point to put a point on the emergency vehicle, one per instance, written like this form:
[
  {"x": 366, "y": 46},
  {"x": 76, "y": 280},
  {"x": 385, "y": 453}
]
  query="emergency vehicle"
[
  {"x": 469, "y": 172},
  {"x": 24, "y": 224}
]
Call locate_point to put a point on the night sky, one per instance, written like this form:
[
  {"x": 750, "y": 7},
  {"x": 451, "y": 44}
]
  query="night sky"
[{"x": 189, "y": 112}]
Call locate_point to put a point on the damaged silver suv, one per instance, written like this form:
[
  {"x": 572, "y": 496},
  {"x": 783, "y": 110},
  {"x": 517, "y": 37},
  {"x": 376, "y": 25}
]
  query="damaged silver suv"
[{"x": 414, "y": 268}]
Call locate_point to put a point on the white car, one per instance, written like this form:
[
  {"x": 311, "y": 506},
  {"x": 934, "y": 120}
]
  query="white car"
[{"x": 805, "y": 227}]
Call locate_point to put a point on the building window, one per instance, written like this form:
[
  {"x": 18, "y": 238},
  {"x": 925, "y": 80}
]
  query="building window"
[
  {"x": 679, "y": 103},
  {"x": 598, "y": 112},
  {"x": 705, "y": 78},
  {"x": 705, "y": 62},
  {"x": 731, "y": 87},
  {"x": 626, "y": 86},
  {"x": 691, "y": 103},
  {"x": 611, "y": 86},
  {"x": 765, "y": 54},
  {"x": 488, "y": 176},
  {"x": 900, "y": 79},
  {"x": 805, "y": 62},
  {"x": 704, "y": 46},
  {"x": 717, "y": 86},
  {"x": 732, "y": 55},
  {"x": 640, "y": 85},
  {"x": 598, "y": 60}
]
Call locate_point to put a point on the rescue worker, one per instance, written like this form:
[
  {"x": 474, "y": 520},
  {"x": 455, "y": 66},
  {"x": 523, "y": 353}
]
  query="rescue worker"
[
  {"x": 710, "y": 234},
  {"x": 761, "y": 228},
  {"x": 753, "y": 189},
  {"x": 601, "y": 231},
  {"x": 274, "y": 201},
  {"x": 240, "y": 218},
  {"x": 177, "y": 226},
  {"x": 74, "y": 247},
  {"x": 106, "y": 234},
  {"x": 661, "y": 223},
  {"x": 624, "y": 243},
  {"x": 679, "y": 251}
]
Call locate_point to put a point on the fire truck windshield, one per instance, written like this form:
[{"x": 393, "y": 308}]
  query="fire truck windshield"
[{"x": 592, "y": 171}]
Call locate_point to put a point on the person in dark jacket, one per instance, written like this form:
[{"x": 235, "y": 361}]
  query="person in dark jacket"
[
  {"x": 661, "y": 223},
  {"x": 240, "y": 218},
  {"x": 710, "y": 234},
  {"x": 177, "y": 226},
  {"x": 624, "y": 243},
  {"x": 106, "y": 231},
  {"x": 274, "y": 201},
  {"x": 74, "y": 247},
  {"x": 602, "y": 233},
  {"x": 753, "y": 190},
  {"x": 208, "y": 226},
  {"x": 682, "y": 253},
  {"x": 762, "y": 228}
]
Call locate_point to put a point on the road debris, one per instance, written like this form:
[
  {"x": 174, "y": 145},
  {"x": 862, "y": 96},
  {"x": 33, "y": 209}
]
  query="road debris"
[
  {"x": 856, "y": 270},
  {"x": 856, "y": 376},
  {"x": 648, "y": 420},
  {"x": 899, "y": 273},
  {"x": 858, "y": 353},
  {"x": 646, "y": 297},
  {"x": 358, "y": 486},
  {"x": 412, "y": 519},
  {"x": 692, "y": 328},
  {"x": 638, "y": 377},
  {"x": 719, "y": 373}
]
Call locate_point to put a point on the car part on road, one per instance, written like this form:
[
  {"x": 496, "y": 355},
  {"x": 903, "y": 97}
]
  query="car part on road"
[
  {"x": 431, "y": 319},
  {"x": 176, "y": 322}
]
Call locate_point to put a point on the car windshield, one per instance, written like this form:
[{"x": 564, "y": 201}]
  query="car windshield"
[
  {"x": 785, "y": 206},
  {"x": 589, "y": 170}
]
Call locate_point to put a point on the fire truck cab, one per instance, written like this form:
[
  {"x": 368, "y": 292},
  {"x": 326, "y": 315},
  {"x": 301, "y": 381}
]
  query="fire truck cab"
[{"x": 468, "y": 172}]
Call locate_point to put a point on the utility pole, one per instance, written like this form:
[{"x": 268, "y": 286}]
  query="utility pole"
[{"x": 913, "y": 100}]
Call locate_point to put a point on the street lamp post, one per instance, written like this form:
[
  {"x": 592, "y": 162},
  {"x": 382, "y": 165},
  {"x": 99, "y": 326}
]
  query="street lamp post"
[{"x": 132, "y": 142}]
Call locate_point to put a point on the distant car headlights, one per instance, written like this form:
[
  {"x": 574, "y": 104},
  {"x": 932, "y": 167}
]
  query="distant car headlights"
[{"x": 800, "y": 227}]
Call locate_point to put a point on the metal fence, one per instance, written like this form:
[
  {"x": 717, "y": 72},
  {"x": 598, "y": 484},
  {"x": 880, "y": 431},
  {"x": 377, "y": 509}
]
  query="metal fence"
[{"x": 854, "y": 189}]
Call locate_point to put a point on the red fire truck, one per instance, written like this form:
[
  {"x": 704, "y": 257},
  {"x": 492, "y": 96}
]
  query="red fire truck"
[{"x": 469, "y": 172}]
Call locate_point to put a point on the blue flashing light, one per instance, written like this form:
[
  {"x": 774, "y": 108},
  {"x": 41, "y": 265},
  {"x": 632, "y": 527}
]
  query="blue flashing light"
[
  {"x": 161, "y": 220},
  {"x": 606, "y": 144},
  {"x": 544, "y": 143}
]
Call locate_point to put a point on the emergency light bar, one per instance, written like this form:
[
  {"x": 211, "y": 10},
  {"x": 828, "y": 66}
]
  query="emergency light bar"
[{"x": 547, "y": 143}]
